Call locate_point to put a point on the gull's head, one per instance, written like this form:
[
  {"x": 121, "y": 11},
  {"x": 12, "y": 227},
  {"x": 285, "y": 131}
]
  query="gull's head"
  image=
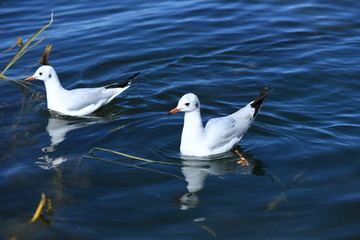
[
  {"x": 187, "y": 103},
  {"x": 44, "y": 73}
]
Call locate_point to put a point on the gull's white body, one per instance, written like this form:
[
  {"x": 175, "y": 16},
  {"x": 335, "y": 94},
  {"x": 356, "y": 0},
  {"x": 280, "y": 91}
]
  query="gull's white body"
[
  {"x": 76, "y": 102},
  {"x": 220, "y": 134}
]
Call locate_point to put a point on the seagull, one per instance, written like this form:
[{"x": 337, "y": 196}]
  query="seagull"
[
  {"x": 220, "y": 134},
  {"x": 76, "y": 102}
]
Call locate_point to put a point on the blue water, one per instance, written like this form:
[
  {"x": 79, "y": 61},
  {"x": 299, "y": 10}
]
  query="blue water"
[{"x": 303, "y": 178}]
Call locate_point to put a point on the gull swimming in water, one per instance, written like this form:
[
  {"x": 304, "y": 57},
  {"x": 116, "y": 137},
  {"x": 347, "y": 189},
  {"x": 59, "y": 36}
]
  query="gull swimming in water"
[
  {"x": 80, "y": 101},
  {"x": 220, "y": 134}
]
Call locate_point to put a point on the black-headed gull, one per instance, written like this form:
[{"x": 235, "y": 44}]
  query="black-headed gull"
[
  {"x": 80, "y": 101},
  {"x": 220, "y": 134}
]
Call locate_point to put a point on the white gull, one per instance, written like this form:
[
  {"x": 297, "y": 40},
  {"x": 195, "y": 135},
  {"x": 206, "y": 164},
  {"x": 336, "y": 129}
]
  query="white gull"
[
  {"x": 80, "y": 101},
  {"x": 220, "y": 134}
]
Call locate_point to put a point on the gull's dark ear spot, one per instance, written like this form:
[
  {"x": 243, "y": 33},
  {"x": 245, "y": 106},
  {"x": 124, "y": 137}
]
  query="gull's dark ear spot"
[
  {"x": 196, "y": 105},
  {"x": 49, "y": 75}
]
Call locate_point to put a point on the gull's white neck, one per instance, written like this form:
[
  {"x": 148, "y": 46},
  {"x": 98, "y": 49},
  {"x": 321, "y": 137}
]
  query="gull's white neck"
[
  {"x": 53, "y": 90},
  {"x": 193, "y": 133}
]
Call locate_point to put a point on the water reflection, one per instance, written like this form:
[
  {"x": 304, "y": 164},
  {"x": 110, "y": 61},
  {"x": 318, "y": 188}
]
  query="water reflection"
[
  {"x": 49, "y": 162},
  {"x": 196, "y": 170},
  {"x": 57, "y": 128}
]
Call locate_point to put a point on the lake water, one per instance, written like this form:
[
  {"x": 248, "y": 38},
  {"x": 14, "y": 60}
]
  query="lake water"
[{"x": 303, "y": 148}]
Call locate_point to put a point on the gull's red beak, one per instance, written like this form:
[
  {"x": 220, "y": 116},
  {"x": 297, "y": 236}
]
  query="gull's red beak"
[
  {"x": 29, "y": 79},
  {"x": 175, "y": 110}
]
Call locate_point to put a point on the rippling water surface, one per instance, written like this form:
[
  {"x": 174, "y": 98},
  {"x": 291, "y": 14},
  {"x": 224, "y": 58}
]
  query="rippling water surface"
[{"x": 303, "y": 148}]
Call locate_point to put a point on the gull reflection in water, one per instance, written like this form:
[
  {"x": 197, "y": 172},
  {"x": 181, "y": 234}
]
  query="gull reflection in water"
[
  {"x": 49, "y": 162},
  {"x": 196, "y": 170},
  {"x": 57, "y": 129}
]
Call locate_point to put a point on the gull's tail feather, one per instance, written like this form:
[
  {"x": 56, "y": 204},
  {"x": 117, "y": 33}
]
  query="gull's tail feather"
[
  {"x": 256, "y": 104},
  {"x": 123, "y": 83}
]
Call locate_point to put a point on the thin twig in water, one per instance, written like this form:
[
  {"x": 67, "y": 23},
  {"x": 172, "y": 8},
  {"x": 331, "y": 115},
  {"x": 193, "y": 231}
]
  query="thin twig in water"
[
  {"x": 130, "y": 165},
  {"x": 132, "y": 157}
]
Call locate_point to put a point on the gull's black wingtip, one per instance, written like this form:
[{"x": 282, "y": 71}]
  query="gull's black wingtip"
[
  {"x": 256, "y": 104},
  {"x": 123, "y": 83},
  {"x": 133, "y": 76}
]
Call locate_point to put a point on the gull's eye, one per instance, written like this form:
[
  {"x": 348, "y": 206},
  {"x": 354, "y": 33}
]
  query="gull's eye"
[
  {"x": 40, "y": 73},
  {"x": 187, "y": 104}
]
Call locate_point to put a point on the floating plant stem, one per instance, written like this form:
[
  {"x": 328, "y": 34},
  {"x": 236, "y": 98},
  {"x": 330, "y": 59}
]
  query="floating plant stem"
[
  {"x": 130, "y": 165},
  {"x": 132, "y": 157}
]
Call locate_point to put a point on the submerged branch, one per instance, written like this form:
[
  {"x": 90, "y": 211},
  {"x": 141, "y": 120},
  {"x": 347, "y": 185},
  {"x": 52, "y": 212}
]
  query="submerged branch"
[
  {"x": 44, "y": 201},
  {"x": 212, "y": 232}
]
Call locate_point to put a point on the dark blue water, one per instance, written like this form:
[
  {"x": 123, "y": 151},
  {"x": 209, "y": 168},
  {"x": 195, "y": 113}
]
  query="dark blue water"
[{"x": 303, "y": 148}]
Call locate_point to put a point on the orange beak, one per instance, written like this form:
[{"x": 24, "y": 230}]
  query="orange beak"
[
  {"x": 29, "y": 79},
  {"x": 175, "y": 110}
]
